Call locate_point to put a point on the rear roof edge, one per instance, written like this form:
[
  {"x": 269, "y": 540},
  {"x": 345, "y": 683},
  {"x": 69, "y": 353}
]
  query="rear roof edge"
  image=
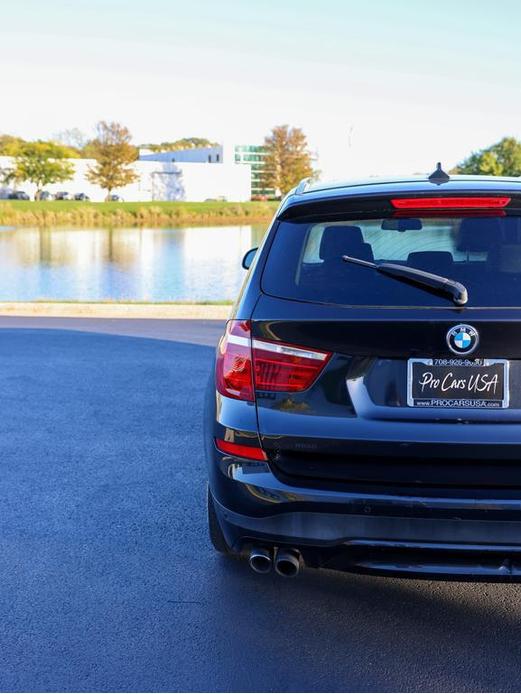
[{"x": 307, "y": 195}]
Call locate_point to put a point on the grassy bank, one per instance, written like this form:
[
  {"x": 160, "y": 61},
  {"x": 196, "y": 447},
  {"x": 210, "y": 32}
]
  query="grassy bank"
[{"x": 141, "y": 214}]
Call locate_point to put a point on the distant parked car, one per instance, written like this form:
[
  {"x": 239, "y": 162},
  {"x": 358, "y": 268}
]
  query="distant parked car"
[
  {"x": 18, "y": 195},
  {"x": 45, "y": 195},
  {"x": 81, "y": 196},
  {"x": 62, "y": 196},
  {"x": 115, "y": 198}
]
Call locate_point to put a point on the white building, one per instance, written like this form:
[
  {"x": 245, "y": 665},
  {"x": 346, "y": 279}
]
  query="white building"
[
  {"x": 217, "y": 154},
  {"x": 158, "y": 179},
  {"x": 250, "y": 156}
]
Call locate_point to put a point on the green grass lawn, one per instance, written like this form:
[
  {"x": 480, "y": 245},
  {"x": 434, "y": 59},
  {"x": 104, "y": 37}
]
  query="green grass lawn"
[{"x": 78, "y": 213}]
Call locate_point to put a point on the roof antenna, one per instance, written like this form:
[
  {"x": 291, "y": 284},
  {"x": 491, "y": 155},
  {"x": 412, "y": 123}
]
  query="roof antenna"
[{"x": 439, "y": 176}]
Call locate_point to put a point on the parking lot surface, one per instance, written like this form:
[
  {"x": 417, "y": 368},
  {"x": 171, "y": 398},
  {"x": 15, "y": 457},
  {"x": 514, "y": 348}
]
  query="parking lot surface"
[{"x": 107, "y": 578}]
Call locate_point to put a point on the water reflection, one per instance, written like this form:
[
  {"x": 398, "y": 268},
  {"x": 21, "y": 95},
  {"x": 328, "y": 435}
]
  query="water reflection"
[{"x": 196, "y": 263}]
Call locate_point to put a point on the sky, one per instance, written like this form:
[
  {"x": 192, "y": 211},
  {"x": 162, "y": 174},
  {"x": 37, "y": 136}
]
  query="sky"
[{"x": 379, "y": 87}]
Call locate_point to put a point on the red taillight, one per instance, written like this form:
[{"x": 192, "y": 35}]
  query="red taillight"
[
  {"x": 450, "y": 203},
  {"x": 240, "y": 450},
  {"x": 288, "y": 368},
  {"x": 273, "y": 366},
  {"x": 233, "y": 370}
]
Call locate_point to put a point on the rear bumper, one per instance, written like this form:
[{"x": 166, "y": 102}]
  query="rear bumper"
[
  {"x": 419, "y": 547},
  {"x": 465, "y": 537},
  {"x": 311, "y": 528}
]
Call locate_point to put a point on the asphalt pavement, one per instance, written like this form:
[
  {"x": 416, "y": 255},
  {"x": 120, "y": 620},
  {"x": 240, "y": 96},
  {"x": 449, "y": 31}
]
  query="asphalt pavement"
[{"x": 108, "y": 581}]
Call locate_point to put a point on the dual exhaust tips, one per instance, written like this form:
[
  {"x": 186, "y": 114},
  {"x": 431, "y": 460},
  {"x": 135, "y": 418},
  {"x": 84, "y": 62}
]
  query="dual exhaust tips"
[{"x": 286, "y": 562}]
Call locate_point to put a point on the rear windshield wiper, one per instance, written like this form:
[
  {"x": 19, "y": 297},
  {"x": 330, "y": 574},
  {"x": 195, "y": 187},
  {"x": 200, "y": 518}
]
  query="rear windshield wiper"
[{"x": 426, "y": 280}]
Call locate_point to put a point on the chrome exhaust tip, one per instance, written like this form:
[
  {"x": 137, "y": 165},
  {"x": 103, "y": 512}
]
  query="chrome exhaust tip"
[
  {"x": 287, "y": 562},
  {"x": 260, "y": 560}
]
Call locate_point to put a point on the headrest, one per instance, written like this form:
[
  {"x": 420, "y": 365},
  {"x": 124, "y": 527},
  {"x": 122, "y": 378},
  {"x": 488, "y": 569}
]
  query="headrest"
[
  {"x": 478, "y": 234},
  {"x": 431, "y": 261},
  {"x": 340, "y": 240}
]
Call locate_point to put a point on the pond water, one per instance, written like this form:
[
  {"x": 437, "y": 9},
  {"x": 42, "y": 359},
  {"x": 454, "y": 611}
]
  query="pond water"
[{"x": 188, "y": 264}]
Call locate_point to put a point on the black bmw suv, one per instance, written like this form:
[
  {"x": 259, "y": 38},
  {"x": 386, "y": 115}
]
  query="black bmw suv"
[{"x": 366, "y": 408}]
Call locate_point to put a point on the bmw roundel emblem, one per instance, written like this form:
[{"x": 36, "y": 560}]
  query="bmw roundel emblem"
[{"x": 462, "y": 339}]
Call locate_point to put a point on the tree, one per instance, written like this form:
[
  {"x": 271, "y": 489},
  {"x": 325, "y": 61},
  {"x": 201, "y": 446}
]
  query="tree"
[
  {"x": 287, "y": 160},
  {"x": 114, "y": 155},
  {"x": 41, "y": 163},
  {"x": 7, "y": 176},
  {"x": 184, "y": 143},
  {"x": 9, "y": 145},
  {"x": 72, "y": 138},
  {"x": 500, "y": 159}
]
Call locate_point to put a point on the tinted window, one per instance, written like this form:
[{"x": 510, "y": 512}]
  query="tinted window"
[{"x": 484, "y": 253}]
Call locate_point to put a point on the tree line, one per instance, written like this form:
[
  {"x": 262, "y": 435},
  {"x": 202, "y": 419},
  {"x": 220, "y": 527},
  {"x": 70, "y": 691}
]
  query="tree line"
[
  {"x": 500, "y": 159},
  {"x": 45, "y": 162},
  {"x": 286, "y": 160},
  {"x": 77, "y": 144}
]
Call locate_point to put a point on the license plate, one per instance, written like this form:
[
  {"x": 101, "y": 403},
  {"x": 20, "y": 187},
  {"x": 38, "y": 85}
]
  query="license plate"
[{"x": 471, "y": 383}]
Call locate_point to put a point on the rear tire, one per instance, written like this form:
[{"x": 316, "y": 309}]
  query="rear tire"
[{"x": 214, "y": 528}]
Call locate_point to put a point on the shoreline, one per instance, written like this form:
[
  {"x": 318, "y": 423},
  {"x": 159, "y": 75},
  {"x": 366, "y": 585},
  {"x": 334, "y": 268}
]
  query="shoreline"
[
  {"x": 18, "y": 213},
  {"x": 101, "y": 309}
]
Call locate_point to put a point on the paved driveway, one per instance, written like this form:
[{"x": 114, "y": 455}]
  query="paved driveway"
[{"x": 108, "y": 582}]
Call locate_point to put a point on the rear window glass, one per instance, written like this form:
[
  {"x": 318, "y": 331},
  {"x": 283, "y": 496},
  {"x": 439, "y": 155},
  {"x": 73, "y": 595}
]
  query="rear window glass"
[{"x": 483, "y": 253}]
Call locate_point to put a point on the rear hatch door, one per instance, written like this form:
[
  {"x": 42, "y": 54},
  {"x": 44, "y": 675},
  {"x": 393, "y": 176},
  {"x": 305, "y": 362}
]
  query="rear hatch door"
[{"x": 417, "y": 390}]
